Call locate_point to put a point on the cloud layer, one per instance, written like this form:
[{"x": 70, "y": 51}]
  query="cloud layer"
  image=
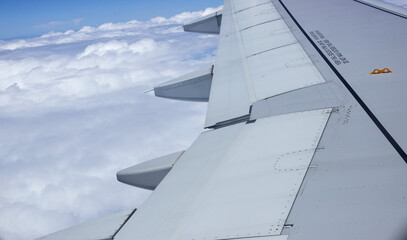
[{"x": 73, "y": 112}]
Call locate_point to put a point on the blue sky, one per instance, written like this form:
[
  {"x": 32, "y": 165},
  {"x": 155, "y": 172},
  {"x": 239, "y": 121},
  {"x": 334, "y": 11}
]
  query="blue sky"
[{"x": 25, "y": 18}]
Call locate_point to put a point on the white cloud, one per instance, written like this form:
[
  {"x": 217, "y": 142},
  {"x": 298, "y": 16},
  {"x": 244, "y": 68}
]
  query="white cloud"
[
  {"x": 97, "y": 60},
  {"x": 73, "y": 113},
  {"x": 107, "y": 30},
  {"x": 119, "y": 47}
]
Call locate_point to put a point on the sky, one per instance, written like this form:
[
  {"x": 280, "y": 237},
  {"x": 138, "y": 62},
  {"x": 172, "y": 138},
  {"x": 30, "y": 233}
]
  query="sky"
[
  {"x": 25, "y": 18},
  {"x": 73, "y": 110}
]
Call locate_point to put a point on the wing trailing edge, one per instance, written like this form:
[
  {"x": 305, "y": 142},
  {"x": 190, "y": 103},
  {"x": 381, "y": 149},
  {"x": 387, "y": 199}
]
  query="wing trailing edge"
[{"x": 104, "y": 228}]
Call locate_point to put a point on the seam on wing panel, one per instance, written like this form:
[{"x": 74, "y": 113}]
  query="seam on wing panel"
[
  {"x": 249, "y": 82},
  {"x": 298, "y": 89},
  {"x": 176, "y": 160},
  {"x": 265, "y": 237},
  {"x": 310, "y": 162},
  {"x": 271, "y": 49},
  {"x": 260, "y": 24},
  {"x": 231, "y": 121},
  {"x": 251, "y": 7},
  {"x": 124, "y": 223}
]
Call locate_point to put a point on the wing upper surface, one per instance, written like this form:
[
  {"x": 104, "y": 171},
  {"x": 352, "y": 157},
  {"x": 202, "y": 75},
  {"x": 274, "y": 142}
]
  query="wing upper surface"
[{"x": 258, "y": 57}]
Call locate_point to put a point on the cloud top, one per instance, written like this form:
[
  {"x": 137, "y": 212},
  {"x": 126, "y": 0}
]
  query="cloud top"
[{"x": 73, "y": 112}]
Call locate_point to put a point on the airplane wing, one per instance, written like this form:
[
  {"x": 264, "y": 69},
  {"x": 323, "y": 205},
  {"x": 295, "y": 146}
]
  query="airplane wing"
[{"x": 305, "y": 133}]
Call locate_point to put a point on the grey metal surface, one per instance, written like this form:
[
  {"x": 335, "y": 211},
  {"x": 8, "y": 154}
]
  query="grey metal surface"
[
  {"x": 258, "y": 57},
  {"x": 367, "y": 38},
  {"x": 149, "y": 174},
  {"x": 244, "y": 4},
  {"x": 236, "y": 181},
  {"x": 194, "y": 86},
  {"x": 102, "y": 228},
  {"x": 355, "y": 187},
  {"x": 209, "y": 24},
  {"x": 229, "y": 96},
  {"x": 326, "y": 95},
  {"x": 281, "y": 237},
  {"x": 258, "y": 13}
]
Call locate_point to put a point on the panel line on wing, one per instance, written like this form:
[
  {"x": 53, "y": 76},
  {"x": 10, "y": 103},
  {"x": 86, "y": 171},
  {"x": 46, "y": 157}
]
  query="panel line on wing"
[
  {"x": 271, "y": 49},
  {"x": 308, "y": 166},
  {"x": 251, "y": 7},
  {"x": 244, "y": 4},
  {"x": 259, "y": 24},
  {"x": 249, "y": 82},
  {"x": 124, "y": 223}
]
